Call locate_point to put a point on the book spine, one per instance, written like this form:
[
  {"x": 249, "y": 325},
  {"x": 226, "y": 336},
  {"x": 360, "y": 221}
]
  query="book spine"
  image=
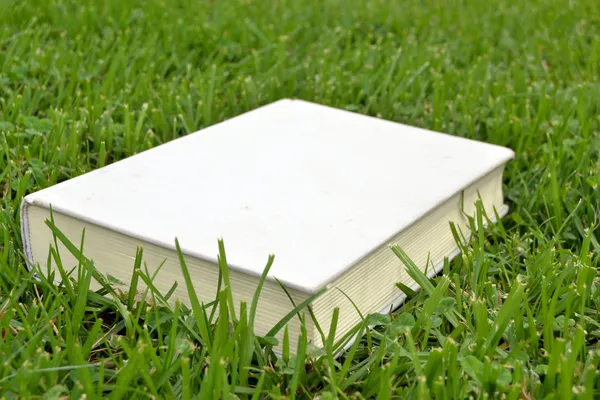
[{"x": 25, "y": 233}]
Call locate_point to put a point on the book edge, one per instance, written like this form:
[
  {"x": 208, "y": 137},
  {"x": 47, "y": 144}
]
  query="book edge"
[{"x": 397, "y": 302}]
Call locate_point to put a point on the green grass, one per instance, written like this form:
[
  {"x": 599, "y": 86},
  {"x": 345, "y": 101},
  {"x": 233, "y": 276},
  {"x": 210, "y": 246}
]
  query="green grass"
[{"x": 83, "y": 84}]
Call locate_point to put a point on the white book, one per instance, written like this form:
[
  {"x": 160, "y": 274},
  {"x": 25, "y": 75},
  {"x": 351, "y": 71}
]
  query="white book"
[{"x": 326, "y": 191}]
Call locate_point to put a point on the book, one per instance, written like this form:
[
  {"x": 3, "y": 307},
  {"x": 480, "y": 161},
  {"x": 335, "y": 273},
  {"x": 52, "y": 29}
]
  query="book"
[{"x": 325, "y": 190}]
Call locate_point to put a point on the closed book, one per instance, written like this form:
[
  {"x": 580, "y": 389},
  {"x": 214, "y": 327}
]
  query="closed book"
[{"x": 326, "y": 191}]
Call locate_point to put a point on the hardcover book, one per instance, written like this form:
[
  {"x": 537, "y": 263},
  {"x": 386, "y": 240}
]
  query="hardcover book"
[{"x": 327, "y": 191}]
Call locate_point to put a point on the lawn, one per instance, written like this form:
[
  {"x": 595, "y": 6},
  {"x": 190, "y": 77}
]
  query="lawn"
[{"x": 86, "y": 83}]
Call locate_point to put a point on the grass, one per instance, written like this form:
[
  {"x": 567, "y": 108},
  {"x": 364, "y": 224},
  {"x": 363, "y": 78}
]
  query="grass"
[{"x": 83, "y": 84}]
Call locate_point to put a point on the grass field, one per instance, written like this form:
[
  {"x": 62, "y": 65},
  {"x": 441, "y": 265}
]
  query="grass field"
[{"x": 83, "y": 84}]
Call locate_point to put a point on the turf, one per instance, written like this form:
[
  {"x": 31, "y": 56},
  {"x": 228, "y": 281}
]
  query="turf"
[{"x": 83, "y": 84}]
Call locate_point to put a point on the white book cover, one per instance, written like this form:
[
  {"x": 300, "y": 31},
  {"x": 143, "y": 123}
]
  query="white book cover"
[{"x": 318, "y": 187}]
